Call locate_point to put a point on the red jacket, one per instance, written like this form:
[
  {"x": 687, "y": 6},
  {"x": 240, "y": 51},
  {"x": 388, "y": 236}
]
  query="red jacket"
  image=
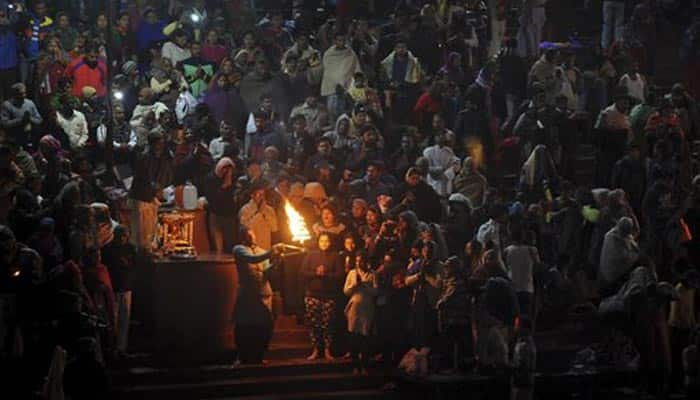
[{"x": 83, "y": 75}]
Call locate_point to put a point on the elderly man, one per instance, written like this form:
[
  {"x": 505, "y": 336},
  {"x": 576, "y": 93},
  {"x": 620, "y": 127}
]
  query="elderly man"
[{"x": 19, "y": 115}]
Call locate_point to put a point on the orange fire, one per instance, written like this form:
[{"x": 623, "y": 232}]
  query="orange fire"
[{"x": 297, "y": 225}]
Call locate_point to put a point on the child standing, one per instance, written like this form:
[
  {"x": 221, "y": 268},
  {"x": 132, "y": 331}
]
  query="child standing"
[{"x": 361, "y": 288}]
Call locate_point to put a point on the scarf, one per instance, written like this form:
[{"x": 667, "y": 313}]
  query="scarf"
[
  {"x": 359, "y": 95},
  {"x": 470, "y": 183},
  {"x": 221, "y": 173},
  {"x": 538, "y": 166},
  {"x": 413, "y": 69},
  {"x": 339, "y": 66}
]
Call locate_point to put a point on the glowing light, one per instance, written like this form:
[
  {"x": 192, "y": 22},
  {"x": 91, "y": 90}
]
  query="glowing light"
[
  {"x": 297, "y": 225},
  {"x": 16, "y": 273},
  {"x": 195, "y": 18},
  {"x": 118, "y": 95}
]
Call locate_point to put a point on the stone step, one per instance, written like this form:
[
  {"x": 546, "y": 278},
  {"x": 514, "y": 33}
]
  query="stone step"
[
  {"x": 297, "y": 335},
  {"x": 148, "y": 375},
  {"x": 346, "y": 394},
  {"x": 271, "y": 385}
]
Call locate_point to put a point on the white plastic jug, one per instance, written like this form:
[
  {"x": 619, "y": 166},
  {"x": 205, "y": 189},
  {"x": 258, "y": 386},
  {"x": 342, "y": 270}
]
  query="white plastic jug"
[{"x": 189, "y": 196}]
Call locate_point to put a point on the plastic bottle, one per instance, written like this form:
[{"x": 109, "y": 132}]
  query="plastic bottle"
[{"x": 189, "y": 196}]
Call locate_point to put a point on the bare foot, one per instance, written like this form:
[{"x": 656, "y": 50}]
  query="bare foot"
[
  {"x": 313, "y": 356},
  {"x": 328, "y": 356}
]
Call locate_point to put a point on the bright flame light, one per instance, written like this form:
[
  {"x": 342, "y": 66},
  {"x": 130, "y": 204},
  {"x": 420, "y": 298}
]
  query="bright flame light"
[{"x": 297, "y": 225}]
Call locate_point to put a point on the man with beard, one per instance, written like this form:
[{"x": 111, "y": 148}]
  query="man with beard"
[{"x": 88, "y": 71}]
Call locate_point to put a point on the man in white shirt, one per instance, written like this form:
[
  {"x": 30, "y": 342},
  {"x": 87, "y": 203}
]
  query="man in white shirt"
[
  {"x": 227, "y": 136},
  {"x": 259, "y": 217},
  {"x": 73, "y": 124},
  {"x": 443, "y": 165}
]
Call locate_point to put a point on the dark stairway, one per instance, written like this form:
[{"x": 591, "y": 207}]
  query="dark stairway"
[{"x": 288, "y": 375}]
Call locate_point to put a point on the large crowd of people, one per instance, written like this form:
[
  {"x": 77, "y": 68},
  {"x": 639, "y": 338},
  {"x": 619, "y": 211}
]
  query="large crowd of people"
[{"x": 433, "y": 148}]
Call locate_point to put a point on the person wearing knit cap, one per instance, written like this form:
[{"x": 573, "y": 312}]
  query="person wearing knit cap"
[{"x": 129, "y": 67}]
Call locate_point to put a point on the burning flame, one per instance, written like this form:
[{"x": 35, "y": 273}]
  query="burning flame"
[{"x": 297, "y": 225}]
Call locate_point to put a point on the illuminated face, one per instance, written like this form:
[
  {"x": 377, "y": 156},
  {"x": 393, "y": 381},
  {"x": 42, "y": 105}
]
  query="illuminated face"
[
  {"x": 327, "y": 217},
  {"x": 324, "y": 148},
  {"x": 258, "y": 196},
  {"x": 358, "y": 209},
  {"x": 102, "y": 21},
  {"x": 359, "y": 262},
  {"x": 372, "y": 218},
  {"x": 349, "y": 244},
  {"x": 324, "y": 242},
  {"x": 412, "y": 179}
]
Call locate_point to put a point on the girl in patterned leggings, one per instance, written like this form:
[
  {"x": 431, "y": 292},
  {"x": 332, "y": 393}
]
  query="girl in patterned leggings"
[{"x": 322, "y": 272}]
